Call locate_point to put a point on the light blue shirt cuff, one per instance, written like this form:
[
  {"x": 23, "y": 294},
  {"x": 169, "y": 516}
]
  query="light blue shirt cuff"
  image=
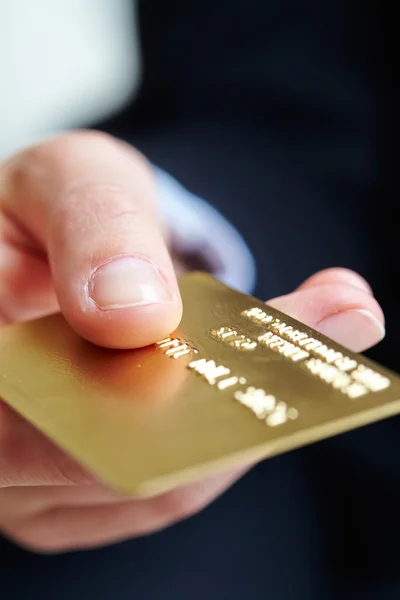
[{"x": 198, "y": 228}]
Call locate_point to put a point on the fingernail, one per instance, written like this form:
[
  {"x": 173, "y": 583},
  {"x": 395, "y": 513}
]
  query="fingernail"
[
  {"x": 356, "y": 329},
  {"x": 127, "y": 282}
]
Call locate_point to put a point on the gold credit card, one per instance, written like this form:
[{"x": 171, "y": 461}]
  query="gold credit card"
[{"x": 238, "y": 381}]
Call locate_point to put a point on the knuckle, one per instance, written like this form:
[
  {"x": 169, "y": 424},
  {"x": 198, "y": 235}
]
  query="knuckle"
[
  {"x": 50, "y": 154},
  {"x": 179, "y": 505},
  {"x": 38, "y": 545},
  {"x": 90, "y": 205},
  {"x": 67, "y": 155},
  {"x": 28, "y": 457},
  {"x": 71, "y": 145},
  {"x": 37, "y": 542},
  {"x": 74, "y": 148},
  {"x": 65, "y": 470},
  {"x": 14, "y": 448},
  {"x": 19, "y": 173}
]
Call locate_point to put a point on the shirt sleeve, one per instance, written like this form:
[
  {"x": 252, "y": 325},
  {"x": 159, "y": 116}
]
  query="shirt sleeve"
[{"x": 198, "y": 228}]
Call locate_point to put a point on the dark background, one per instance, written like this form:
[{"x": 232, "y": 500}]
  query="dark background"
[{"x": 283, "y": 114}]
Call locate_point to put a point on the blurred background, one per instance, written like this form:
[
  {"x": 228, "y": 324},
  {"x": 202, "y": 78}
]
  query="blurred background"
[
  {"x": 283, "y": 114},
  {"x": 275, "y": 112},
  {"x": 64, "y": 64}
]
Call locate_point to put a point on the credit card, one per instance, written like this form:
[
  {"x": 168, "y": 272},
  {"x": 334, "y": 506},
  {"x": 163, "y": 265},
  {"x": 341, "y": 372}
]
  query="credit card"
[{"x": 237, "y": 382}]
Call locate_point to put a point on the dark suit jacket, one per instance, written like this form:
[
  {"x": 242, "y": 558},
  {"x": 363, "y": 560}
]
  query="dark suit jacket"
[{"x": 283, "y": 115}]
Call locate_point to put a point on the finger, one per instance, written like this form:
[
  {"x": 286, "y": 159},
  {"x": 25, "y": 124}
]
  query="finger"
[
  {"x": 23, "y": 501},
  {"x": 71, "y": 528},
  {"x": 87, "y": 201},
  {"x": 337, "y": 275},
  {"x": 26, "y": 290},
  {"x": 342, "y": 312},
  {"x": 28, "y": 458},
  {"x": 65, "y": 529}
]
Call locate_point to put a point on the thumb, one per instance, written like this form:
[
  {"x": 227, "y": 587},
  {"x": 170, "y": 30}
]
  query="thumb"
[
  {"x": 88, "y": 201},
  {"x": 28, "y": 458},
  {"x": 339, "y": 304}
]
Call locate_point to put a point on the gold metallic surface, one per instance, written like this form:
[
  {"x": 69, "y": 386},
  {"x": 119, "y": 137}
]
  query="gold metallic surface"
[{"x": 237, "y": 382}]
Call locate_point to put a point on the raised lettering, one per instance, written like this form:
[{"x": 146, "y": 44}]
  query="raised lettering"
[
  {"x": 297, "y": 336},
  {"x": 300, "y": 355},
  {"x": 209, "y": 369},
  {"x": 257, "y": 400},
  {"x": 312, "y": 344},
  {"x": 223, "y": 332},
  {"x": 178, "y": 351},
  {"x": 281, "y": 415},
  {"x": 257, "y": 315},
  {"x": 265, "y": 337},
  {"x": 355, "y": 390},
  {"x": 328, "y": 354},
  {"x": 345, "y": 363},
  {"x": 371, "y": 379},
  {"x": 226, "y": 383}
]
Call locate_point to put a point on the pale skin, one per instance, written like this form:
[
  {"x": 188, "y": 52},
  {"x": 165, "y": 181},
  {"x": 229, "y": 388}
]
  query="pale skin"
[{"x": 68, "y": 209}]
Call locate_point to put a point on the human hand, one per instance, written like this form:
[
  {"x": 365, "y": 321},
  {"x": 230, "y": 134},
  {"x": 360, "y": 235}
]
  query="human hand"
[{"x": 79, "y": 233}]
